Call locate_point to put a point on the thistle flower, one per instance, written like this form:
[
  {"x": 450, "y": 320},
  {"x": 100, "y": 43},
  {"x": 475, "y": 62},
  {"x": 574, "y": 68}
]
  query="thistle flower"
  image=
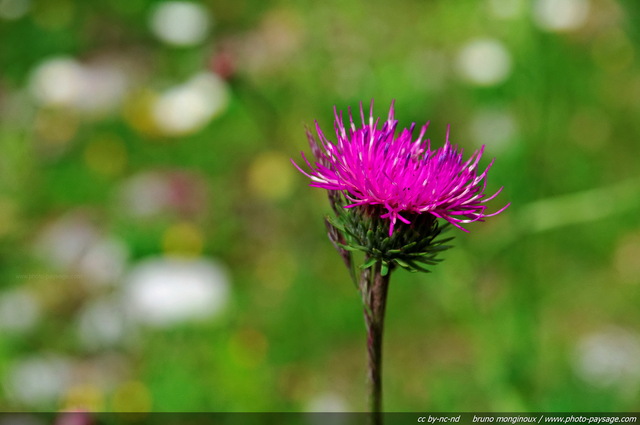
[
  {"x": 387, "y": 192},
  {"x": 398, "y": 176}
]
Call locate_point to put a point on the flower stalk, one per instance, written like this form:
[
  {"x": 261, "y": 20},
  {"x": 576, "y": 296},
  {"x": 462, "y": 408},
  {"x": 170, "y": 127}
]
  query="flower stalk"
[{"x": 373, "y": 288}]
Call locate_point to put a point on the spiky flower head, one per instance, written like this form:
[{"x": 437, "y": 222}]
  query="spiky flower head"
[{"x": 389, "y": 177}]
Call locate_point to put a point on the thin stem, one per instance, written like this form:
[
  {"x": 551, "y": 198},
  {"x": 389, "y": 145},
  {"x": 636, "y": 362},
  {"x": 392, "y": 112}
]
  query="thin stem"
[{"x": 373, "y": 287}]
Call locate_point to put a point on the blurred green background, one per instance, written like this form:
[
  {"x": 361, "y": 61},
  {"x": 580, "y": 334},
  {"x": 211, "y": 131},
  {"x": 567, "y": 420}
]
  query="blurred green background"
[{"x": 158, "y": 251}]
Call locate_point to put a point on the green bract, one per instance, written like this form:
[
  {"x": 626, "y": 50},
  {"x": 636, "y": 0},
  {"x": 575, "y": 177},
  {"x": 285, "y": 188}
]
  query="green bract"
[{"x": 413, "y": 246}]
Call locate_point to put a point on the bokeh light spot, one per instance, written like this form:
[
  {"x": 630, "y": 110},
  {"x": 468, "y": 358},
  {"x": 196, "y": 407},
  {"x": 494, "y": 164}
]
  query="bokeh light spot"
[
  {"x": 101, "y": 324},
  {"x": 187, "y": 108},
  {"x": 326, "y": 402},
  {"x": 19, "y": 311},
  {"x": 55, "y": 129},
  {"x": 484, "y": 62},
  {"x": 84, "y": 397},
  {"x": 609, "y": 358},
  {"x": 38, "y": 380},
  {"x": 14, "y": 9},
  {"x": 137, "y": 112},
  {"x": 164, "y": 291},
  {"x": 56, "y": 81},
  {"x": 183, "y": 239},
  {"x": 132, "y": 396},
  {"x": 560, "y": 15},
  {"x": 92, "y": 90},
  {"x": 612, "y": 51},
  {"x": 271, "y": 176},
  {"x": 180, "y": 23}
]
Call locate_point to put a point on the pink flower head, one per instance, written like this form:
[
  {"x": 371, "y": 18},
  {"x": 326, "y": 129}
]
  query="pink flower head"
[{"x": 373, "y": 166}]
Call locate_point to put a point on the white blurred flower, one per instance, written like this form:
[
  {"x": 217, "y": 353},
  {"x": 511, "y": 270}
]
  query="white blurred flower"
[
  {"x": 57, "y": 81},
  {"x": 38, "y": 381},
  {"x": 484, "y": 62},
  {"x": 560, "y": 15},
  {"x": 609, "y": 358},
  {"x": 187, "y": 108},
  {"x": 104, "y": 86},
  {"x": 102, "y": 323},
  {"x": 145, "y": 194},
  {"x": 104, "y": 260},
  {"x": 19, "y": 311},
  {"x": 327, "y": 402},
  {"x": 164, "y": 291},
  {"x": 62, "y": 81},
  {"x": 14, "y": 9},
  {"x": 63, "y": 242},
  {"x": 180, "y": 23},
  {"x": 73, "y": 242},
  {"x": 493, "y": 127},
  {"x": 151, "y": 193}
]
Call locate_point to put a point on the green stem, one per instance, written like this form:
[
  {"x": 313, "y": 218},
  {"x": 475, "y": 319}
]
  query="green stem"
[{"x": 373, "y": 288}]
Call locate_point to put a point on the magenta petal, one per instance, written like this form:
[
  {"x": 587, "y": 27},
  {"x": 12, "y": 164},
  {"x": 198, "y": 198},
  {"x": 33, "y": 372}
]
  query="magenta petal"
[{"x": 374, "y": 166}]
